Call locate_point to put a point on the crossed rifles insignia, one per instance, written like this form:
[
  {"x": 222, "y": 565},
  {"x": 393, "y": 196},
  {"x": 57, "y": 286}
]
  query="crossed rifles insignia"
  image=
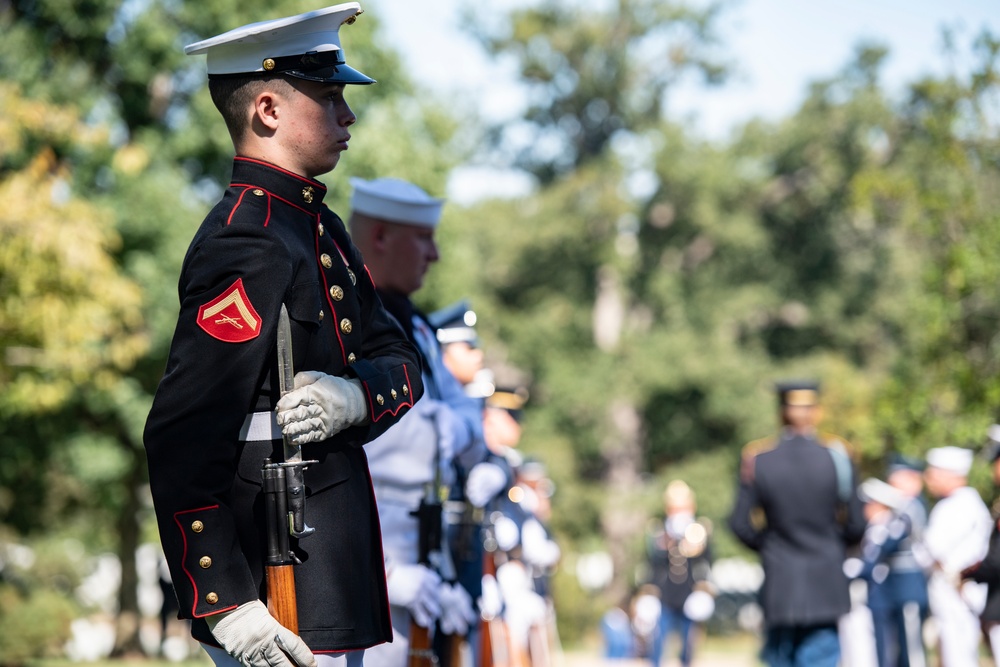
[{"x": 230, "y": 317}]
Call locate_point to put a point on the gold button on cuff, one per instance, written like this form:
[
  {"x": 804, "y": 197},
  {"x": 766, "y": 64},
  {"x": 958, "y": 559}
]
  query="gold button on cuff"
[
  {"x": 197, "y": 526},
  {"x": 205, "y": 562},
  {"x": 351, "y": 358},
  {"x": 325, "y": 259},
  {"x": 346, "y": 326},
  {"x": 406, "y": 390},
  {"x": 212, "y": 598},
  {"x": 380, "y": 400},
  {"x": 337, "y": 292},
  {"x": 393, "y": 394},
  {"x": 320, "y": 228},
  {"x": 321, "y": 315},
  {"x": 354, "y": 278},
  {"x": 258, "y": 192}
]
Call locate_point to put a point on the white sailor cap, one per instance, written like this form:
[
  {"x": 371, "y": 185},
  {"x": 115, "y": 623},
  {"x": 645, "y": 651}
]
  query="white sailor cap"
[
  {"x": 395, "y": 200},
  {"x": 306, "y": 46},
  {"x": 956, "y": 460}
]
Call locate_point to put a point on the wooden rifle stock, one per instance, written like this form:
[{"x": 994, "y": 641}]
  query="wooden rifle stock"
[{"x": 281, "y": 596}]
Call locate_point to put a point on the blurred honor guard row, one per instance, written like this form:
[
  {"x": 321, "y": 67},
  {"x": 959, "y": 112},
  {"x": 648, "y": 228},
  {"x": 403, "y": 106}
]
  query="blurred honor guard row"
[{"x": 306, "y": 46}]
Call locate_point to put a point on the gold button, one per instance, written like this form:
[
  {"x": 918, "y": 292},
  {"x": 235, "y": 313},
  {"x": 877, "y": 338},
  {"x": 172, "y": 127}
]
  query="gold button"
[
  {"x": 258, "y": 192},
  {"x": 354, "y": 278},
  {"x": 327, "y": 262},
  {"x": 212, "y": 598},
  {"x": 381, "y": 401},
  {"x": 393, "y": 394},
  {"x": 205, "y": 562},
  {"x": 346, "y": 326},
  {"x": 406, "y": 390},
  {"x": 321, "y": 229},
  {"x": 197, "y": 526},
  {"x": 321, "y": 315},
  {"x": 351, "y": 358},
  {"x": 268, "y": 64},
  {"x": 337, "y": 292},
  {"x": 307, "y": 194}
]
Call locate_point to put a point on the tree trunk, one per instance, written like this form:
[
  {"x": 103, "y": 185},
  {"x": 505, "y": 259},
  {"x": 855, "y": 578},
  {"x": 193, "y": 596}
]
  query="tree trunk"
[
  {"x": 127, "y": 624},
  {"x": 621, "y": 522}
]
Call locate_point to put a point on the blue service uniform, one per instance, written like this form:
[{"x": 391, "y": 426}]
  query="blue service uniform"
[
  {"x": 797, "y": 506},
  {"x": 272, "y": 240},
  {"x": 897, "y": 585}
]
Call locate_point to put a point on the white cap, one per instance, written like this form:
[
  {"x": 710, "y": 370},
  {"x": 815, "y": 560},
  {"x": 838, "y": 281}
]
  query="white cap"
[
  {"x": 876, "y": 490},
  {"x": 395, "y": 200},
  {"x": 306, "y": 46},
  {"x": 957, "y": 460},
  {"x": 994, "y": 432}
]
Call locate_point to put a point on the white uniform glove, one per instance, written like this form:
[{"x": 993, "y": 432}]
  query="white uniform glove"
[
  {"x": 417, "y": 588},
  {"x": 485, "y": 481},
  {"x": 506, "y": 532},
  {"x": 320, "y": 406},
  {"x": 490, "y": 604},
  {"x": 536, "y": 547},
  {"x": 256, "y": 639},
  {"x": 456, "y": 610}
]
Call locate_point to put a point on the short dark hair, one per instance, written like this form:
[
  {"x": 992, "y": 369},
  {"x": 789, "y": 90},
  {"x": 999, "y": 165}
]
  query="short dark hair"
[{"x": 232, "y": 96}]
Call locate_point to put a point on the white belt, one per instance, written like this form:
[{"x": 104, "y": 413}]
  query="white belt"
[
  {"x": 406, "y": 496},
  {"x": 260, "y": 426}
]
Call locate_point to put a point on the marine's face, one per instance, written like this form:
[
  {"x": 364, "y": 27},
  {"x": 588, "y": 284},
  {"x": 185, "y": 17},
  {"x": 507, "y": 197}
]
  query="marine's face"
[{"x": 317, "y": 122}]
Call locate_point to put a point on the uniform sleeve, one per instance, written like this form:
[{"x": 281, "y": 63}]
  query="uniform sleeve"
[
  {"x": 231, "y": 291},
  {"x": 988, "y": 571},
  {"x": 742, "y": 518},
  {"x": 389, "y": 366}
]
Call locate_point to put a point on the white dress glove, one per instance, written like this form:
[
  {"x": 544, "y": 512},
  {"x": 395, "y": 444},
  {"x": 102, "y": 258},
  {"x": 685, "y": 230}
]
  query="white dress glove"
[
  {"x": 320, "y": 406},
  {"x": 256, "y": 639},
  {"x": 417, "y": 588},
  {"x": 536, "y": 547},
  {"x": 456, "y": 610},
  {"x": 485, "y": 481},
  {"x": 506, "y": 532},
  {"x": 490, "y": 604}
]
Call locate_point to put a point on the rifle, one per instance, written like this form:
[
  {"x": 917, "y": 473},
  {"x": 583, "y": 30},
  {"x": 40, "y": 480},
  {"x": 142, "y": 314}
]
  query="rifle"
[
  {"x": 494, "y": 650},
  {"x": 284, "y": 502},
  {"x": 428, "y": 515}
]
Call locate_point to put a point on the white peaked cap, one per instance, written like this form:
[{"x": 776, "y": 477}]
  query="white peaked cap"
[
  {"x": 953, "y": 459},
  {"x": 306, "y": 46},
  {"x": 876, "y": 490},
  {"x": 395, "y": 200}
]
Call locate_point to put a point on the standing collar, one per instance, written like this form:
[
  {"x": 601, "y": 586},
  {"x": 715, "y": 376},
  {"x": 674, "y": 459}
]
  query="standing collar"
[{"x": 304, "y": 193}]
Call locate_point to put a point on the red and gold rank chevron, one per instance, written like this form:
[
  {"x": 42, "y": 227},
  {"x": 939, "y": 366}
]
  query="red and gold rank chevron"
[{"x": 230, "y": 317}]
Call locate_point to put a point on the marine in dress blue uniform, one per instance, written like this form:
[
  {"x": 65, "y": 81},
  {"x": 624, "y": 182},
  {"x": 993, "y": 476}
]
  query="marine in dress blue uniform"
[
  {"x": 271, "y": 240},
  {"x": 797, "y": 506}
]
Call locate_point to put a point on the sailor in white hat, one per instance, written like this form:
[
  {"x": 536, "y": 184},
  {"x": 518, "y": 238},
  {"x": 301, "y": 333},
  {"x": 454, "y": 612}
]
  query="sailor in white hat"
[
  {"x": 271, "y": 246},
  {"x": 393, "y": 222},
  {"x": 957, "y": 536}
]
